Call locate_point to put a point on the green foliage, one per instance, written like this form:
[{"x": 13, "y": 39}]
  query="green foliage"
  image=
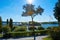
[
  {"x": 42, "y": 32},
  {"x": 55, "y": 33},
  {"x": 40, "y": 28},
  {"x": 49, "y": 27},
  {"x": 26, "y": 33},
  {"x": 7, "y": 22},
  {"x": 34, "y": 23},
  {"x": 31, "y": 28},
  {"x": 20, "y": 28},
  {"x": 31, "y": 11},
  {"x": 49, "y": 22},
  {"x": 0, "y": 24},
  {"x": 6, "y": 29},
  {"x": 20, "y": 34},
  {"x": 57, "y": 11},
  {"x": 11, "y": 24},
  {"x": 47, "y": 38}
]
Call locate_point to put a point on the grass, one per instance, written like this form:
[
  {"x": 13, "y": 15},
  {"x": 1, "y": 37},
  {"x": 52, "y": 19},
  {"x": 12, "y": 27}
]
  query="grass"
[
  {"x": 30, "y": 39},
  {"x": 47, "y": 38},
  {"x": 1, "y": 35}
]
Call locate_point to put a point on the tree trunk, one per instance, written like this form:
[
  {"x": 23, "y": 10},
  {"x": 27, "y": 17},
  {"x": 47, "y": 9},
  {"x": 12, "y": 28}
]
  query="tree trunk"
[
  {"x": 59, "y": 21},
  {"x": 33, "y": 28}
]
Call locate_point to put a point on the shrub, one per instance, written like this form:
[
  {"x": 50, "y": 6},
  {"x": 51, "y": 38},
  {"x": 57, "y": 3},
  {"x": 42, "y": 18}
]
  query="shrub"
[
  {"x": 55, "y": 33},
  {"x": 40, "y": 28},
  {"x": 41, "y": 32},
  {"x": 20, "y": 34},
  {"x": 22, "y": 28},
  {"x": 26, "y": 33},
  {"x": 49, "y": 27},
  {"x": 6, "y": 29},
  {"x": 31, "y": 28}
]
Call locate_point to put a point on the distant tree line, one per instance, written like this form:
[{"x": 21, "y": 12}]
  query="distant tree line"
[{"x": 49, "y": 22}]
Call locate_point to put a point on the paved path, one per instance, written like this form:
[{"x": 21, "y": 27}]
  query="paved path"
[
  {"x": 29, "y": 38},
  {"x": 40, "y": 37}
]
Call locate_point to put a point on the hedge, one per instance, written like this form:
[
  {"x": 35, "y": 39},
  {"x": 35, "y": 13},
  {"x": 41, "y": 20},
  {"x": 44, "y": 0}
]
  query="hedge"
[{"x": 30, "y": 33}]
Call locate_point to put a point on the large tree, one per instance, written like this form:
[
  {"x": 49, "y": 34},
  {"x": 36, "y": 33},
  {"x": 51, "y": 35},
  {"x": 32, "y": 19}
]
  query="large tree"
[
  {"x": 0, "y": 24},
  {"x": 31, "y": 11},
  {"x": 57, "y": 11}
]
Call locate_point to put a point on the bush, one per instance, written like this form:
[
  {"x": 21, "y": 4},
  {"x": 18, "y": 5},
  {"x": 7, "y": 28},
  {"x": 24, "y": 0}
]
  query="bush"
[
  {"x": 40, "y": 28},
  {"x": 43, "y": 32},
  {"x": 30, "y": 33},
  {"x": 31, "y": 28},
  {"x": 49, "y": 27},
  {"x": 20, "y": 34},
  {"x": 40, "y": 32},
  {"x": 22, "y": 28},
  {"x": 6, "y": 29},
  {"x": 55, "y": 33}
]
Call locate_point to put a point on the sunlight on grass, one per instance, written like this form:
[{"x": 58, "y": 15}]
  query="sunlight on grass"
[{"x": 47, "y": 38}]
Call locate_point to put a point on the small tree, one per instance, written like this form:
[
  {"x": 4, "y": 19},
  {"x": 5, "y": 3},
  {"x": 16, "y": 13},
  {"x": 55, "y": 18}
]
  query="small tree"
[
  {"x": 7, "y": 22},
  {"x": 0, "y": 24},
  {"x": 31, "y": 11},
  {"x": 11, "y": 24}
]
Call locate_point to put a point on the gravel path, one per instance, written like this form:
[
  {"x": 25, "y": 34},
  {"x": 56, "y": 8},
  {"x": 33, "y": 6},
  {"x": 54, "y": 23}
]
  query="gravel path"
[{"x": 28, "y": 38}]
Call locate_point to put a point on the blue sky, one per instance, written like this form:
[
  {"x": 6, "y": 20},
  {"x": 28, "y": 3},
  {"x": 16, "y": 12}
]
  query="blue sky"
[{"x": 14, "y": 8}]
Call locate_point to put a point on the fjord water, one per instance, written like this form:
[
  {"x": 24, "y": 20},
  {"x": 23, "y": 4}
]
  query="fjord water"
[
  {"x": 43, "y": 25},
  {"x": 49, "y": 25}
]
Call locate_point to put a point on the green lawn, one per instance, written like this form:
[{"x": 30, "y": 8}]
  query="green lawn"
[{"x": 47, "y": 38}]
